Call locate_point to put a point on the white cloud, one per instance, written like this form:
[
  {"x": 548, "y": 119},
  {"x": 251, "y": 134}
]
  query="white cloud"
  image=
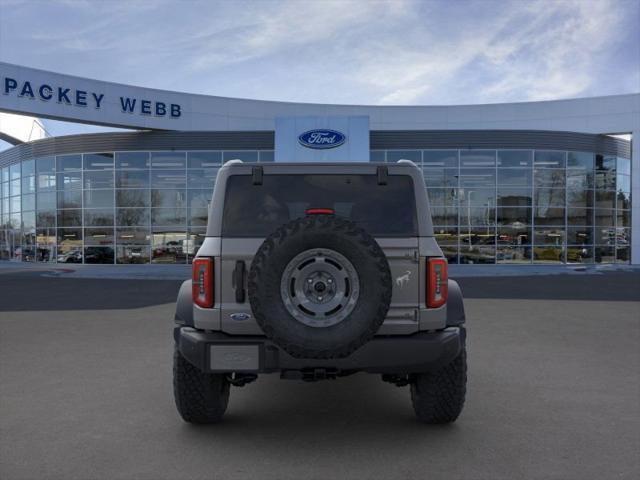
[{"x": 385, "y": 52}]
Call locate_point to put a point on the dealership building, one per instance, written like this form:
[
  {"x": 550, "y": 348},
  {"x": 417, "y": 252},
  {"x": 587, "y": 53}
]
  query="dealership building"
[{"x": 539, "y": 182}]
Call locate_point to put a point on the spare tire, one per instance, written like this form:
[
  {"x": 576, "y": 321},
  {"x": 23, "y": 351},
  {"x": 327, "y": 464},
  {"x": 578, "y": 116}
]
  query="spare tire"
[{"x": 320, "y": 287}]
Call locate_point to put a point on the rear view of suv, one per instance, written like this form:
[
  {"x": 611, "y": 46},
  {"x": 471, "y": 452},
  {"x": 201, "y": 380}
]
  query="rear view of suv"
[{"x": 316, "y": 271}]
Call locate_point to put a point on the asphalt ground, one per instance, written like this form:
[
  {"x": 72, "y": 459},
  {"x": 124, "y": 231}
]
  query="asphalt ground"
[{"x": 553, "y": 393}]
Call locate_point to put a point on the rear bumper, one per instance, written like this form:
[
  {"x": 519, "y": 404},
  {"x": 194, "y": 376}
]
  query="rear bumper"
[{"x": 399, "y": 354}]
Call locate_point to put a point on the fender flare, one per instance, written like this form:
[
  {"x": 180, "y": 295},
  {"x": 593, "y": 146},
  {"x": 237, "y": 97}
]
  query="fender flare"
[
  {"x": 455, "y": 305},
  {"x": 184, "y": 305}
]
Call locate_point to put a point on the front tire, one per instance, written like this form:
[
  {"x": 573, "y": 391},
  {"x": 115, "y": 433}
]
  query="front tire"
[
  {"x": 438, "y": 397},
  {"x": 201, "y": 398}
]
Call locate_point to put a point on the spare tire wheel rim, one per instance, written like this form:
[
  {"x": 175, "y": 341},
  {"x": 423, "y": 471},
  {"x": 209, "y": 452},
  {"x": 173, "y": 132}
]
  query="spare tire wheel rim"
[{"x": 320, "y": 287}]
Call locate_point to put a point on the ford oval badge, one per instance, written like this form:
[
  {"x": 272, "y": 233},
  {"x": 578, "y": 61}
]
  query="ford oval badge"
[
  {"x": 240, "y": 316},
  {"x": 322, "y": 138}
]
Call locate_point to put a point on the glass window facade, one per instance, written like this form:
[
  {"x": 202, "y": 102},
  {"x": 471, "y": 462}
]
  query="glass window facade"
[
  {"x": 488, "y": 206},
  {"x": 110, "y": 207},
  {"x": 526, "y": 206}
]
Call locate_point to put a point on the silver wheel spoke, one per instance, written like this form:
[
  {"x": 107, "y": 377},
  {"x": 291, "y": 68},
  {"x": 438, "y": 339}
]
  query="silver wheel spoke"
[{"x": 320, "y": 287}]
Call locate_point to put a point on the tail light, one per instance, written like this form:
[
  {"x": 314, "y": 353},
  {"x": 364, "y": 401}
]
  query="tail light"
[
  {"x": 319, "y": 211},
  {"x": 437, "y": 282},
  {"x": 202, "y": 282}
]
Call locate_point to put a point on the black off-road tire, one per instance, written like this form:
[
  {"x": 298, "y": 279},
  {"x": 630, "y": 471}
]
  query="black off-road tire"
[
  {"x": 200, "y": 397},
  {"x": 438, "y": 397},
  {"x": 303, "y": 234}
]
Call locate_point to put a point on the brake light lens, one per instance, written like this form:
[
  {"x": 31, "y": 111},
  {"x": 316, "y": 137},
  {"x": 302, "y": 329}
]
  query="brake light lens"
[
  {"x": 319, "y": 211},
  {"x": 437, "y": 282},
  {"x": 202, "y": 282}
]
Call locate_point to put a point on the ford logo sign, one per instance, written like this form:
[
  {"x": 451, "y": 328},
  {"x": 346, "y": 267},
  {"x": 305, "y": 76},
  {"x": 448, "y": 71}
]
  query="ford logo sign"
[
  {"x": 240, "y": 316},
  {"x": 322, "y": 138}
]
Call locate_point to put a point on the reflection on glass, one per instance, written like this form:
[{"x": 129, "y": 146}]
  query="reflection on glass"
[
  {"x": 549, "y": 159},
  {"x": 168, "y": 160},
  {"x": 132, "y": 217},
  {"x": 195, "y": 240},
  {"x": 605, "y": 254},
  {"x": 511, "y": 254},
  {"x": 68, "y": 162},
  {"x": 514, "y": 234},
  {"x": 549, "y": 178},
  {"x": 514, "y": 176},
  {"x": 28, "y": 184},
  {"x": 168, "y": 217},
  {"x": 514, "y": 158},
  {"x": 582, "y": 160},
  {"x": 267, "y": 156},
  {"x": 446, "y": 235},
  {"x": 69, "y": 180},
  {"x": 128, "y": 254},
  {"x": 132, "y": 198},
  {"x": 28, "y": 167},
  {"x": 168, "y": 178},
  {"x": 70, "y": 199},
  {"x": 516, "y": 197},
  {"x": 247, "y": 157},
  {"x": 510, "y": 216},
  {"x": 70, "y": 218},
  {"x": 98, "y": 179},
  {"x": 204, "y": 159},
  {"x": 440, "y": 159},
  {"x": 477, "y": 158},
  {"x": 477, "y": 177},
  {"x": 377, "y": 156},
  {"x": 133, "y": 160},
  {"x": 132, "y": 179},
  {"x": 623, "y": 254},
  {"x": 549, "y": 236},
  {"x": 98, "y": 217},
  {"x": 43, "y": 165},
  {"x": 443, "y": 196},
  {"x": 441, "y": 177},
  {"x": 198, "y": 216},
  {"x": 98, "y": 254},
  {"x": 97, "y": 161},
  {"x": 168, "y": 198},
  {"x": 580, "y": 235},
  {"x": 548, "y": 254},
  {"x": 413, "y": 155},
  {"x": 168, "y": 246},
  {"x": 46, "y": 219},
  {"x": 98, "y": 199},
  {"x": 580, "y": 254},
  {"x": 605, "y": 218},
  {"x": 202, "y": 178}
]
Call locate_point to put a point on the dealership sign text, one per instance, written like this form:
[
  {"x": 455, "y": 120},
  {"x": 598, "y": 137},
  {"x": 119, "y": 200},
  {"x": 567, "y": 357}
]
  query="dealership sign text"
[{"x": 81, "y": 98}]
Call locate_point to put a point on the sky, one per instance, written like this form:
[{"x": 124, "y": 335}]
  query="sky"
[{"x": 395, "y": 52}]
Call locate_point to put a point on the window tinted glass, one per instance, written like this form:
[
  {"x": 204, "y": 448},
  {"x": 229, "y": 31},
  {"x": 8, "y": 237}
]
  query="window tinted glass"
[{"x": 257, "y": 210}]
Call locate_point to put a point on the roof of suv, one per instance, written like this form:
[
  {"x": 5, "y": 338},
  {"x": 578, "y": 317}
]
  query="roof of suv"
[{"x": 232, "y": 168}]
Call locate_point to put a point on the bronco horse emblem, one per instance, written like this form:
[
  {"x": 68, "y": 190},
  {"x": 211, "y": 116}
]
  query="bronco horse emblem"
[{"x": 403, "y": 279}]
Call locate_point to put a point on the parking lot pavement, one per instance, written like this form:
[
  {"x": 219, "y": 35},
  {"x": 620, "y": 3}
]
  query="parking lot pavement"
[{"x": 553, "y": 392}]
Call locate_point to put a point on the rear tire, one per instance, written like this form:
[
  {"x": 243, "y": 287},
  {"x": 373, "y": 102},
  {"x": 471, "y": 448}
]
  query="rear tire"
[
  {"x": 438, "y": 397},
  {"x": 201, "y": 398}
]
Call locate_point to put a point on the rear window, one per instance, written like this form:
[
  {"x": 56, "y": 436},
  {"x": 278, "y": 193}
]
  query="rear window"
[{"x": 257, "y": 210}]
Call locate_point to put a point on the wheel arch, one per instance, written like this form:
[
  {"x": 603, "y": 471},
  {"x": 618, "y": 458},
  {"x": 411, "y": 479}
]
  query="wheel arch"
[
  {"x": 455, "y": 305},
  {"x": 184, "y": 305}
]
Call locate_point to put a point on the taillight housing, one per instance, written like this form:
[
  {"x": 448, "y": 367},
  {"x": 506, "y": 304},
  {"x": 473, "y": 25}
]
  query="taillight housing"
[
  {"x": 202, "y": 282},
  {"x": 437, "y": 282}
]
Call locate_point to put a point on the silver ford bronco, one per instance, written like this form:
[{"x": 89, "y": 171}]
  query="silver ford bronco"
[{"x": 318, "y": 271}]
